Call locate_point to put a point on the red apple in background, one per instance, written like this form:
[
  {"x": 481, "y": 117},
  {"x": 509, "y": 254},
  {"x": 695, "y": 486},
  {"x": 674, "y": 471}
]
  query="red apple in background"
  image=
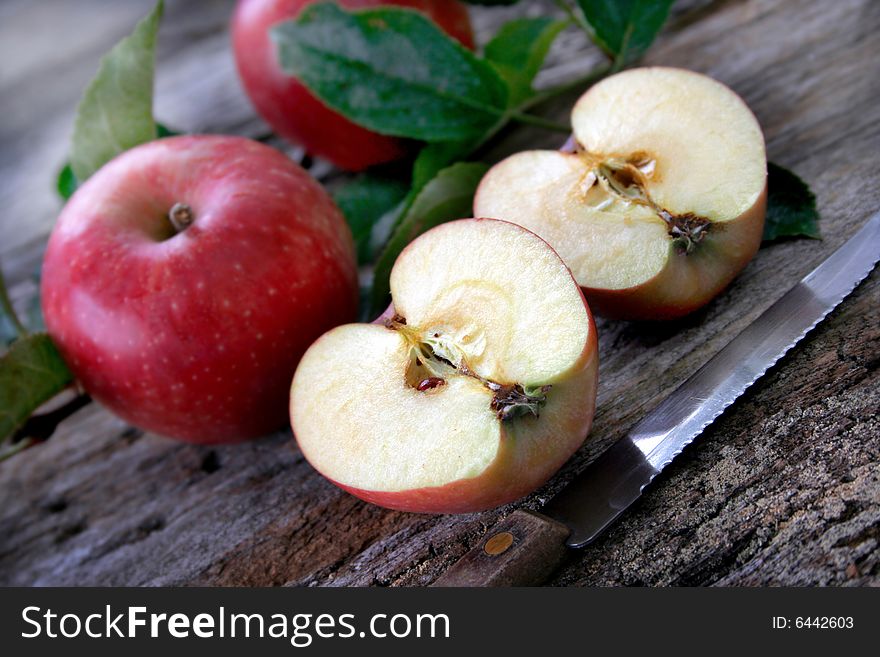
[
  {"x": 291, "y": 109},
  {"x": 184, "y": 280}
]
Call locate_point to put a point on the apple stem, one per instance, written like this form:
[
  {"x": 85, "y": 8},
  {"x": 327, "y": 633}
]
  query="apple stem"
[{"x": 181, "y": 216}]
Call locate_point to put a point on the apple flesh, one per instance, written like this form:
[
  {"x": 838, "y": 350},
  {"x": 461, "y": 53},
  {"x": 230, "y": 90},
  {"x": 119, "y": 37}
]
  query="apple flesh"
[
  {"x": 662, "y": 202},
  {"x": 291, "y": 109},
  {"x": 475, "y": 390},
  {"x": 193, "y": 331}
]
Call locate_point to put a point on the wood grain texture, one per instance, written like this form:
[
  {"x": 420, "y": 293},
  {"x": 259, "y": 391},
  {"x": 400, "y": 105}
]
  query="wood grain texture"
[
  {"x": 524, "y": 549},
  {"x": 783, "y": 489}
]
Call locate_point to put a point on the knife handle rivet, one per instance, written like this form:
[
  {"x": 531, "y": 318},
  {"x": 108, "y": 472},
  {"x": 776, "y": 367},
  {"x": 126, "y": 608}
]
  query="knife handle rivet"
[{"x": 498, "y": 544}]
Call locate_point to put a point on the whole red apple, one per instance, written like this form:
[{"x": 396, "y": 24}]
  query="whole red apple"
[
  {"x": 291, "y": 109},
  {"x": 184, "y": 280}
]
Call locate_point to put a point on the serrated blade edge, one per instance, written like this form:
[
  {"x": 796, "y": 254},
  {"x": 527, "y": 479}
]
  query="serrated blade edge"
[{"x": 616, "y": 479}]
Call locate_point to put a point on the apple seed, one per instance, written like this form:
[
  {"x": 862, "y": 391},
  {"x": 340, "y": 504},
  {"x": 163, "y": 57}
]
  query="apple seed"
[{"x": 430, "y": 383}]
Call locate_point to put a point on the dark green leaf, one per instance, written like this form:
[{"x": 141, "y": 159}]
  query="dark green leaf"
[
  {"x": 518, "y": 50},
  {"x": 392, "y": 71},
  {"x": 67, "y": 182},
  {"x": 163, "y": 131},
  {"x": 430, "y": 161},
  {"x": 447, "y": 197},
  {"x": 31, "y": 373},
  {"x": 435, "y": 157},
  {"x": 791, "y": 206},
  {"x": 116, "y": 111},
  {"x": 625, "y": 29},
  {"x": 365, "y": 201}
]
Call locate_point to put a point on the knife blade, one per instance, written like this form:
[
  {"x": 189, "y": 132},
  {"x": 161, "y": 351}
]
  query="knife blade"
[{"x": 527, "y": 546}]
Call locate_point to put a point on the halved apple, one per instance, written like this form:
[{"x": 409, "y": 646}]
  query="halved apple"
[
  {"x": 662, "y": 202},
  {"x": 471, "y": 393}
]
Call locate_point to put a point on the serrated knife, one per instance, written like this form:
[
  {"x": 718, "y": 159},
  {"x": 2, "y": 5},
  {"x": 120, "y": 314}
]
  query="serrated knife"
[{"x": 527, "y": 547}]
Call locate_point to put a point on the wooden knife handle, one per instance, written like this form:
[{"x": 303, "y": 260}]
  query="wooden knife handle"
[{"x": 522, "y": 550}]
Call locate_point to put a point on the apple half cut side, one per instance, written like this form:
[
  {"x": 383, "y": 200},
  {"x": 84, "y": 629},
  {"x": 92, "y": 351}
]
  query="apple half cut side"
[
  {"x": 472, "y": 394},
  {"x": 662, "y": 202}
]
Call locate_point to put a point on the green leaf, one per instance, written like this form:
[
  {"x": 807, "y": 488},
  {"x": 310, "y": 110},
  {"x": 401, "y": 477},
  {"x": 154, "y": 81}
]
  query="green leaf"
[
  {"x": 518, "y": 50},
  {"x": 432, "y": 159},
  {"x": 365, "y": 201},
  {"x": 447, "y": 197},
  {"x": 791, "y": 206},
  {"x": 67, "y": 183},
  {"x": 625, "y": 29},
  {"x": 492, "y": 3},
  {"x": 116, "y": 111},
  {"x": 163, "y": 131},
  {"x": 31, "y": 373},
  {"x": 393, "y": 71},
  {"x": 435, "y": 157}
]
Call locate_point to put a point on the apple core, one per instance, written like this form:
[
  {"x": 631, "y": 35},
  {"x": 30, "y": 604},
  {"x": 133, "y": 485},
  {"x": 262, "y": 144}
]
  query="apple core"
[{"x": 435, "y": 359}]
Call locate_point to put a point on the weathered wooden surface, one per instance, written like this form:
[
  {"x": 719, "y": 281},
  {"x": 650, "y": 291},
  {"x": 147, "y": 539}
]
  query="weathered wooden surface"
[{"x": 783, "y": 489}]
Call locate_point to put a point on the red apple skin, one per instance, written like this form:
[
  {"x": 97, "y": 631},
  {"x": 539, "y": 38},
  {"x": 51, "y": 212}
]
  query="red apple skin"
[
  {"x": 291, "y": 109},
  {"x": 196, "y": 335}
]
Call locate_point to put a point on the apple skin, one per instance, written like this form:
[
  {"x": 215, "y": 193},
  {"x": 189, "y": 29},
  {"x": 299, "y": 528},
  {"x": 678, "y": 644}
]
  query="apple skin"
[
  {"x": 517, "y": 470},
  {"x": 195, "y": 335},
  {"x": 291, "y": 109},
  {"x": 732, "y": 246}
]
